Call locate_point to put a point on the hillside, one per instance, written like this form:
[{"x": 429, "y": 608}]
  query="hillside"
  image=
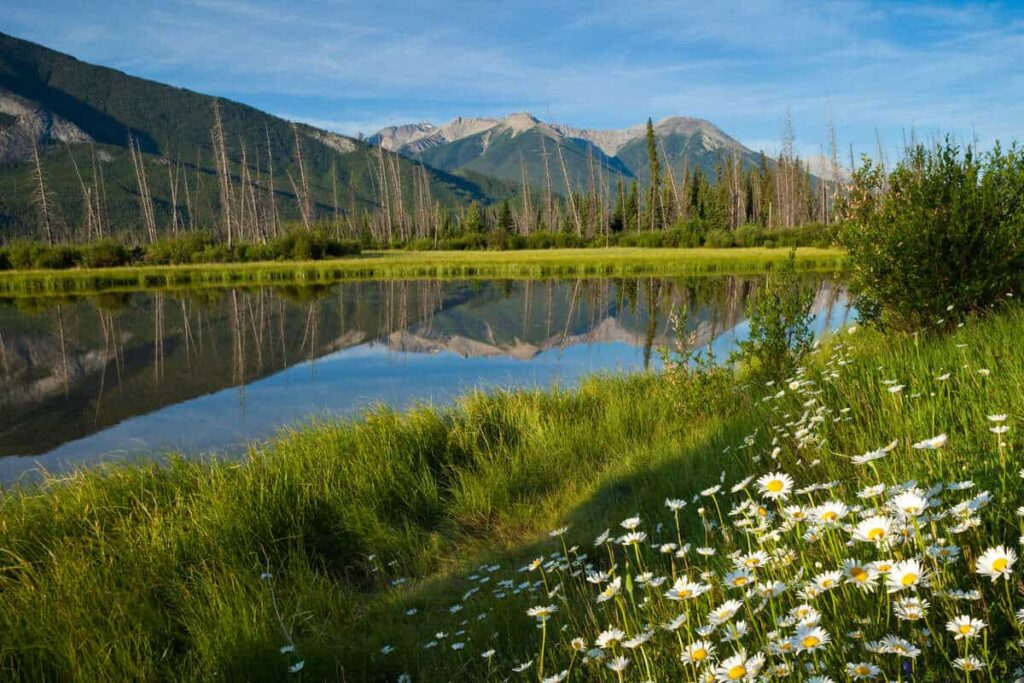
[
  {"x": 82, "y": 115},
  {"x": 506, "y": 147}
]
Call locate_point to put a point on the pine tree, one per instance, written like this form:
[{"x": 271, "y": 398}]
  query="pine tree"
[
  {"x": 473, "y": 221},
  {"x": 506, "y": 223},
  {"x": 654, "y": 199},
  {"x": 632, "y": 208}
]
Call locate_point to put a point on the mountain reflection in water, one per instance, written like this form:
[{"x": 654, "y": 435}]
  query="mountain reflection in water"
[{"x": 116, "y": 375}]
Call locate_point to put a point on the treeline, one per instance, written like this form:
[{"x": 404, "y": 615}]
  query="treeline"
[
  {"x": 194, "y": 247},
  {"x": 735, "y": 203}
]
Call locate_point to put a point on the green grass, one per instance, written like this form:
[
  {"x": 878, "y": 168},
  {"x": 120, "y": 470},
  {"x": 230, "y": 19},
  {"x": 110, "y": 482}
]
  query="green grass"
[
  {"x": 613, "y": 262},
  {"x": 150, "y": 572}
]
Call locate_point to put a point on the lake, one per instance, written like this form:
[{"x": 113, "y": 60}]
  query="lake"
[{"x": 128, "y": 375}]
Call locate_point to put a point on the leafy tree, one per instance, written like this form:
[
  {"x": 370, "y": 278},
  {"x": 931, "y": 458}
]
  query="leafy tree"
[
  {"x": 940, "y": 236},
  {"x": 779, "y": 319}
]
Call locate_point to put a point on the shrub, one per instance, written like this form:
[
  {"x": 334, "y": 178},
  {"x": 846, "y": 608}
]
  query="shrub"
[
  {"x": 944, "y": 230},
  {"x": 104, "y": 254},
  {"x": 306, "y": 245},
  {"x": 184, "y": 248},
  {"x": 697, "y": 384},
  {"x": 779, "y": 320},
  {"x": 719, "y": 239},
  {"x": 497, "y": 239},
  {"x": 420, "y": 244},
  {"x": 750, "y": 235}
]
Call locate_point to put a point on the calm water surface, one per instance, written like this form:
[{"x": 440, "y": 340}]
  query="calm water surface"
[{"x": 123, "y": 376}]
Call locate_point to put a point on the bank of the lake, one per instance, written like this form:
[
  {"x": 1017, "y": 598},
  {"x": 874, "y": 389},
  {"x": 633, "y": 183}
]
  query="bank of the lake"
[
  {"x": 150, "y": 572},
  {"x": 403, "y": 265}
]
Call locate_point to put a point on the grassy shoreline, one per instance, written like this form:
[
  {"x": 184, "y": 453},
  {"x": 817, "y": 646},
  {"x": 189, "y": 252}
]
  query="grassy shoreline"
[
  {"x": 147, "y": 572},
  {"x": 611, "y": 262}
]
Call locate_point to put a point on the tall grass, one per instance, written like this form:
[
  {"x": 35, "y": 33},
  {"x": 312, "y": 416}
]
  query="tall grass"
[
  {"x": 154, "y": 572},
  {"x": 615, "y": 262}
]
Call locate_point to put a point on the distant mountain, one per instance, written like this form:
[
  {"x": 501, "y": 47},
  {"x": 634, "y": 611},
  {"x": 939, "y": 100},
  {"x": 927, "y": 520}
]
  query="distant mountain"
[
  {"x": 506, "y": 147},
  {"x": 80, "y": 116}
]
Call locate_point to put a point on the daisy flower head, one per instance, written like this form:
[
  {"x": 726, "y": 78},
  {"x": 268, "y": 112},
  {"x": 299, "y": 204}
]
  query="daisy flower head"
[
  {"x": 810, "y": 638},
  {"x": 739, "y": 667},
  {"x": 932, "y": 444},
  {"x": 905, "y": 574},
  {"x": 997, "y": 563},
  {"x": 964, "y": 627},
  {"x": 862, "y": 671},
  {"x": 775, "y": 485},
  {"x": 698, "y": 652},
  {"x": 618, "y": 664},
  {"x": 609, "y": 637},
  {"x": 542, "y": 612},
  {"x": 969, "y": 663},
  {"x": 630, "y": 523},
  {"x": 876, "y": 529}
]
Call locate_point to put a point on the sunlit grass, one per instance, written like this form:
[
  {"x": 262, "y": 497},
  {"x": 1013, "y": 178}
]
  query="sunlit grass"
[
  {"x": 381, "y": 536},
  {"x": 611, "y": 262}
]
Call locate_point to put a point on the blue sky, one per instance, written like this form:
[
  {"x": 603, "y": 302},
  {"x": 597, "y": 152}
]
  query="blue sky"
[{"x": 932, "y": 66}]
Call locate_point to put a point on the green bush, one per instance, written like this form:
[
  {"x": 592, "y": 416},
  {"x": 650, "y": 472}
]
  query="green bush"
[
  {"x": 942, "y": 235},
  {"x": 750, "y": 235},
  {"x": 497, "y": 239},
  {"x": 719, "y": 239},
  {"x": 305, "y": 245},
  {"x": 184, "y": 248},
  {"x": 104, "y": 254},
  {"x": 26, "y": 255},
  {"x": 420, "y": 244},
  {"x": 779, "y": 320}
]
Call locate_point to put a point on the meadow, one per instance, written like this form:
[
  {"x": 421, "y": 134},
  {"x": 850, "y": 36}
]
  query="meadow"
[
  {"x": 856, "y": 522},
  {"x": 611, "y": 262}
]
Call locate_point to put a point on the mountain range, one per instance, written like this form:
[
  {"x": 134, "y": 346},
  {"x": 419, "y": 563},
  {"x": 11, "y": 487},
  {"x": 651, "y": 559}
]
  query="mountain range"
[
  {"x": 81, "y": 116},
  {"x": 521, "y": 144}
]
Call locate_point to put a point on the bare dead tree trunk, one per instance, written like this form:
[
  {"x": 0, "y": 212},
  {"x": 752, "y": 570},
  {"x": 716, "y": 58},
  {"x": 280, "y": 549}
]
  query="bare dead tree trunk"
[
  {"x": 334, "y": 188},
  {"x": 172, "y": 181},
  {"x": 223, "y": 172},
  {"x": 145, "y": 201},
  {"x": 384, "y": 185},
  {"x": 305, "y": 205},
  {"x": 569, "y": 192},
  {"x": 42, "y": 195},
  {"x": 526, "y": 218},
  {"x": 99, "y": 188},
  {"x": 86, "y": 195},
  {"x": 298, "y": 193},
  {"x": 271, "y": 197}
]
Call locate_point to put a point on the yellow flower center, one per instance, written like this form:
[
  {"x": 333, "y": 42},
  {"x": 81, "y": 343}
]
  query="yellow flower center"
[
  {"x": 876, "y": 534},
  {"x": 739, "y": 581},
  {"x": 1000, "y": 564},
  {"x": 908, "y": 579},
  {"x": 699, "y": 655},
  {"x": 810, "y": 641},
  {"x": 859, "y": 574},
  {"x": 775, "y": 486},
  {"x": 861, "y": 670},
  {"x": 684, "y": 593},
  {"x": 737, "y": 672},
  {"x": 965, "y": 628},
  {"x": 830, "y": 516}
]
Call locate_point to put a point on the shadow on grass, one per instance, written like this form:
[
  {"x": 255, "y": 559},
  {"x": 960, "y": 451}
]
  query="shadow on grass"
[{"x": 680, "y": 470}]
